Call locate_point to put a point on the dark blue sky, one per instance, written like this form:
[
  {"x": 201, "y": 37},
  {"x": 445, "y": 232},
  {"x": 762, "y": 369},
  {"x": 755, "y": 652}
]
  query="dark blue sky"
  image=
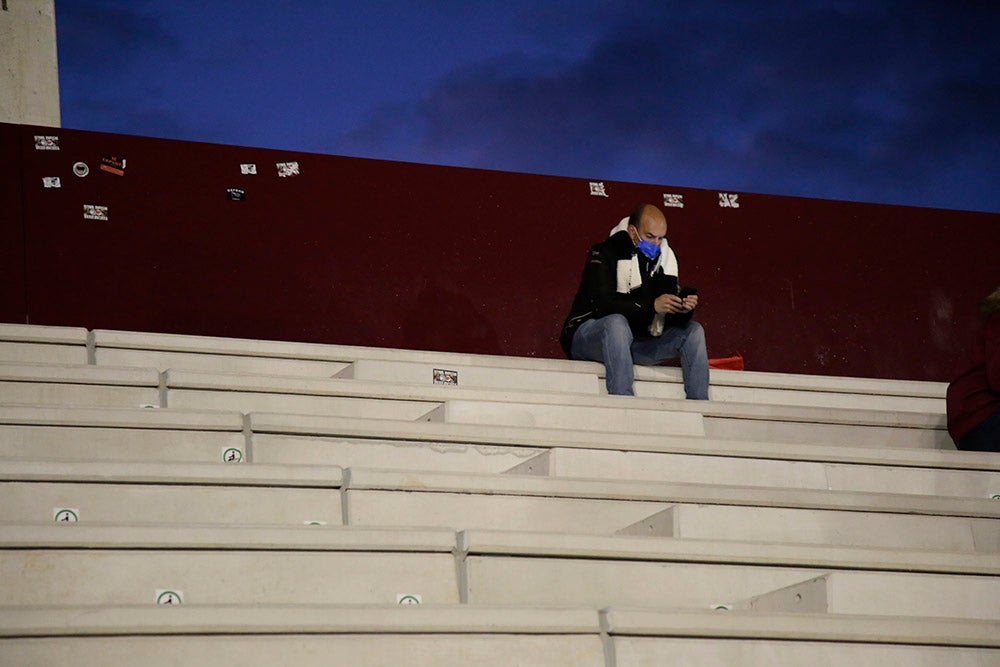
[{"x": 889, "y": 101}]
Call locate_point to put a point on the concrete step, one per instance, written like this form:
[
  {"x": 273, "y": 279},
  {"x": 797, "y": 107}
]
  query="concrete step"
[
  {"x": 486, "y": 543},
  {"x": 227, "y": 354},
  {"x": 801, "y": 390},
  {"x": 168, "y": 493},
  {"x": 303, "y": 635},
  {"x": 263, "y": 567},
  {"x": 567, "y": 410},
  {"x": 50, "y": 432},
  {"x": 607, "y": 464},
  {"x": 472, "y": 375},
  {"x": 539, "y": 581},
  {"x": 644, "y": 637},
  {"x": 261, "y": 493},
  {"x": 549, "y": 545},
  {"x": 709, "y": 494},
  {"x": 321, "y": 426},
  {"x": 429, "y": 635},
  {"x": 69, "y": 385},
  {"x": 97, "y": 565},
  {"x": 82, "y": 443},
  {"x": 399, "y": 454},
  {"x": 379, "y": 498},
  {"x": 131, "y": 418},
  {"x": 122, "y": 387},
  {"x": 739, "y": 421},
  {"x": 23, "y": 343}
]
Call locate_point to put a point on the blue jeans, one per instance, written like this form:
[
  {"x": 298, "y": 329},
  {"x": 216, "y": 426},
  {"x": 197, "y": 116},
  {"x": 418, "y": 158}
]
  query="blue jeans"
[{"x": 610, "y": 341}]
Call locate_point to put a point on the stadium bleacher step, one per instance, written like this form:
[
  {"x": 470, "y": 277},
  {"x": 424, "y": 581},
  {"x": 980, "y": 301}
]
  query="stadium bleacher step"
[
  {"x": 307, "y": 635},
  {"x": 24, "y": 343},
  {"x": 294, "y": 498},
  {"x": 476, "y": 376},
  {"x": 429, "y": 635},
  {"x": 168, "y": 493},
  {"x": 675, "y": 585},
  {"x": 608, "y": 464}
]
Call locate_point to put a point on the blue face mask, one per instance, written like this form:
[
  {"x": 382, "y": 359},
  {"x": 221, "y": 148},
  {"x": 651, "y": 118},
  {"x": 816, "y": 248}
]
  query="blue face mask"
[{"x": 648, "y": 248}]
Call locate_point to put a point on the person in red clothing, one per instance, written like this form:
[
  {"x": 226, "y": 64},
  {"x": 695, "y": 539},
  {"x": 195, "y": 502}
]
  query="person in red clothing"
[{"x": 974, "y": 396}]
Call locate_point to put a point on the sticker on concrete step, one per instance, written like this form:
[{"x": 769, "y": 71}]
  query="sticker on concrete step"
[
  {"x": 248, "y": 169},
  {"x": 149, "y": 406},
  {"x": 232, "y": 455},
  {"x": 65, "y": 515},
  {"x": 51, "y": 182},
  {"x": 995, "y": 496},
  {"x": 441, "y": 376},
  {"x": 673, "y": 201},
  {"x": 46, "y": 142},
  {"x": 236, "y": 194},
  {"x": 597, "y": 189},
  {"x": 286, "y": 169},
  {"x": 409, "y": 598},
  {"x": 95, "y": 212},
  {"x": 113, "y": 165},
  {"x": 80, "y": 169},
  {"x": 722, "y": 607},
  {"x": 314, "y": 523},
  {"x": 169, "y": 597}
]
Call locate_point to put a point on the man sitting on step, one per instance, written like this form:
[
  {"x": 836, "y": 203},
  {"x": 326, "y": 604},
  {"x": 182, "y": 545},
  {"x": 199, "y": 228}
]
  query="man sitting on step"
[{"x": 629, "y": 308}]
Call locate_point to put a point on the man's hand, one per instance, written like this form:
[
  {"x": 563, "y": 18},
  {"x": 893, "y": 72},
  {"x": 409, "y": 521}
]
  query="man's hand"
[{"x": 670, "y": 304}]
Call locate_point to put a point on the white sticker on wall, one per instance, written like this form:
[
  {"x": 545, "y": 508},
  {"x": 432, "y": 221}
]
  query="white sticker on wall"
[
  {"x": 46, "y": 142},
  {"x": 409, "y": 598},
  {"x": 232, "y": 455},
  {"x": 597, "y": 189},
  {"x": 81, "y": 169},
  {"x": 94, "y": 212},
  {"x": 248, "y": 168},
  {"x": 65, "y": 515},
  {"x": 728, "y": 200},
  {"x": 51, "y": 182},
  {"x": 172, "y": 597},
  {"x": 673, "y": 201},
  {"x": 287, "y": 169}
]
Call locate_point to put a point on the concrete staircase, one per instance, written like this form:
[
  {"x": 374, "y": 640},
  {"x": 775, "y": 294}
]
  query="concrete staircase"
[{"x": 189, "y": 500}]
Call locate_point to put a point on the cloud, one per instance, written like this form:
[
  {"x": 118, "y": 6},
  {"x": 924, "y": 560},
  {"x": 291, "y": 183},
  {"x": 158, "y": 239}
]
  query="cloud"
[
  {"x": 863, "y": 101},
  {"x": 102, "y": 38},
  {"x": 104, "y": 50}
]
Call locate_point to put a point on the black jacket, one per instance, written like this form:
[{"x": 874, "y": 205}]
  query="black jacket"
[{"x": 598, "y": 294}]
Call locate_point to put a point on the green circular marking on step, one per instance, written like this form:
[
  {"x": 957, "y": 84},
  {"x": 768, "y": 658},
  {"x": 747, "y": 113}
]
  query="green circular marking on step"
[
  {"x": 408, "y": 599},
  {"x": 66, "y": 516},
  {"x": 232, "y": 455},
  {"x": 168, "y": 597},
  {"x": 995, "y": 496}
]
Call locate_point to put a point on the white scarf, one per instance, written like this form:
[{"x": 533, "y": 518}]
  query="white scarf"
[{"x": 629, "y": 276}]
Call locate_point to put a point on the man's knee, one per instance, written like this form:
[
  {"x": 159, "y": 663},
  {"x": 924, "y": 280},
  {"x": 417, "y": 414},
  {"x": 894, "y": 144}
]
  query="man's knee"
[
  {"x": 694, "y": 339},
  {"x": 696, "y": 332},
  {"x": 616, "y": 330}
]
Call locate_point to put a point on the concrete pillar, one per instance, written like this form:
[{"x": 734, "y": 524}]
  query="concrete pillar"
[{"x": 29, "y": 74}]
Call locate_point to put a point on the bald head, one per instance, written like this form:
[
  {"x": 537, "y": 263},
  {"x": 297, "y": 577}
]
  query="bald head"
[{"x": 647, "y": 223}]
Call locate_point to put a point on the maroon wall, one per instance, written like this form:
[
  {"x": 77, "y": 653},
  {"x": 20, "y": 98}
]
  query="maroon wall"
[{"x": 368, "y": 252}]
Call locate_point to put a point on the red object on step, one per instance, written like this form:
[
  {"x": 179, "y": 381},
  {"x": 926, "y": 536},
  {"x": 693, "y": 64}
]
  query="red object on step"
[{"x": 727, "y": 363}]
